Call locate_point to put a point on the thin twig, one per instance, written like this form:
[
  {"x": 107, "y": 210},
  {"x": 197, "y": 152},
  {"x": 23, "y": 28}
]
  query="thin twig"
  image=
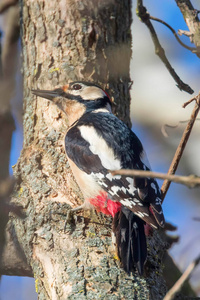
[
  {"x": 177, "y": 286},
  {"x": 191, "y": 181},
  {"x": 174, "y": 32},
  {"x": 189, "y": 101},
  {"x": 145, "y": 17},
  {"x": 178, "y": 154}
]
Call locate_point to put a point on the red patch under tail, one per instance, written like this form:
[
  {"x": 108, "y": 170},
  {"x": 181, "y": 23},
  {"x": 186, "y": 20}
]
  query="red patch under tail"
[{"x": 103, "y": 204}]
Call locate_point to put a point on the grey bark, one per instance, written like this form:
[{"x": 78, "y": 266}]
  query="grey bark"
[
  {"x": 190, "y": 15},
  {"x": 68, "y": 40}
]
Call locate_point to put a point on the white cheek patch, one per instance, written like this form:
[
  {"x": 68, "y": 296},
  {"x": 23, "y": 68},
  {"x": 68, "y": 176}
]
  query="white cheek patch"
[
  {"x": 92, "y": 93},
  {"x": 99, "y": 147}
]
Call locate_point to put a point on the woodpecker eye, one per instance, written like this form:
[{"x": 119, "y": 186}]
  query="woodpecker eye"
[{"x": 76, "y": 87}]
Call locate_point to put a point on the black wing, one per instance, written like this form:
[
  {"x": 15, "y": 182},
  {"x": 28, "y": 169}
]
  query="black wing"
[{"x": 100, "y": 142}]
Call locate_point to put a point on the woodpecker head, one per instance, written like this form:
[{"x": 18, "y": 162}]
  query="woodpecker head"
[{"x": 77, "y": 98}]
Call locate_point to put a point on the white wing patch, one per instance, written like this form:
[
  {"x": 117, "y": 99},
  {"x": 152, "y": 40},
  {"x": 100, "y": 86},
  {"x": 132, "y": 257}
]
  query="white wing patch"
[
  {"x": 99, "y": 175},
  {"x": 99, "y": 147},
  {"x": 158, "y": 201},
  {"x": 131, "y": 188},
  {"x": 115, "y": 189},
  {"x": 127, "y": 203}
]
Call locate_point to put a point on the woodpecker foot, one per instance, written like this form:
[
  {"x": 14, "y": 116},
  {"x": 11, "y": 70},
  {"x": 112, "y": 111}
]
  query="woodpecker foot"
[{"x": 71, "y": 215}]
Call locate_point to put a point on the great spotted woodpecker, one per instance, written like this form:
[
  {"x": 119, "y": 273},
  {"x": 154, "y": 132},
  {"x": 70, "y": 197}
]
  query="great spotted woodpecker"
[{"x": 96, "y": 143}]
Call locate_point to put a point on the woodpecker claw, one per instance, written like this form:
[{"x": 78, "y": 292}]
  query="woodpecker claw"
[
  {"x": 70, "y": 218},
  {"x": 71, "y": 215}
]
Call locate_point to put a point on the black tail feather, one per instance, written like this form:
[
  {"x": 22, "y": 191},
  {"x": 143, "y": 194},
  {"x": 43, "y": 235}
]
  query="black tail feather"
[{"x": 130, "y": 240}]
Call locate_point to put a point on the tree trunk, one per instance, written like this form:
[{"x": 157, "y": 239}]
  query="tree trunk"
[{"x": 69, "y": 40}]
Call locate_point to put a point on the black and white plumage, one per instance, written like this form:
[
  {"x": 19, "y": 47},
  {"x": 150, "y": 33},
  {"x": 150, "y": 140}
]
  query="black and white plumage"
[{"x": 96, "y": 143}]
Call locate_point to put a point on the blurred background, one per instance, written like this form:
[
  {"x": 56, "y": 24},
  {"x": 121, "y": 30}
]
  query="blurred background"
[{"x": 156, "y": 101}]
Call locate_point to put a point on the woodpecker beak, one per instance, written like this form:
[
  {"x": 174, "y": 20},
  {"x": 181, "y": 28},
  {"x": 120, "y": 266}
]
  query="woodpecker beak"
[{"x": 50, "y": 95}]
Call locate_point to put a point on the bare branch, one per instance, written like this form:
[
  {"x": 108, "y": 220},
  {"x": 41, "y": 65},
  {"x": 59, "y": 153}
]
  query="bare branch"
[
  {"x": 193, "y": 49},
  {"x": 190, "y": 101},
  {"x": 191, "y": 181},
  {"x": 178, "y": 154},
  {"x": 145, "y": 18},
  {"x": 171, "y": 293}
]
